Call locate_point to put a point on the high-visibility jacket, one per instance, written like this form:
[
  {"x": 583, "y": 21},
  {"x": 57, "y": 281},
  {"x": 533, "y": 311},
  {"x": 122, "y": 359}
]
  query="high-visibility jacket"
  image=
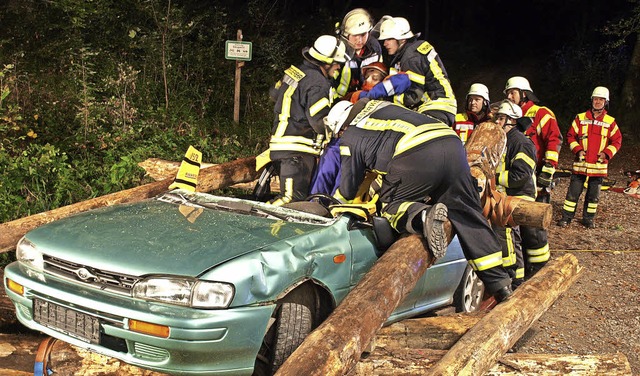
[
  {"x": 515, "y": 172},
  {"x": 431, "y": 88},
  {"x": 544, "y": 132},
  {"x": 303, "y": 99},
  {"x": 466, "y": 123},
  {"x": 593, "y": 136},
  {"x": 350, "y": 78},
  {"x": 380, "y": 132}
]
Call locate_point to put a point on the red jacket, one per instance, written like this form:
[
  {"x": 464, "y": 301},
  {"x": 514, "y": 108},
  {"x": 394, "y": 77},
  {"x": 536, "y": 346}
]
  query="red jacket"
[
  {"x": 544, "y": 132},
  {"x": 593, "y": 136},
  {"x": 466, "y": 123}
]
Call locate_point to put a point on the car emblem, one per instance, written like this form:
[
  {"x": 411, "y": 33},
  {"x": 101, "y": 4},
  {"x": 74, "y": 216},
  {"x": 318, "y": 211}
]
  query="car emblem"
[{"x": 86, "y": 275}]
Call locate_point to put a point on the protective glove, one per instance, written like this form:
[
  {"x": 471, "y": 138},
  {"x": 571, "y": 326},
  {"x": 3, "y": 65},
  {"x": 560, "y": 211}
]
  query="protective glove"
[{"x": 545, "y": 177}]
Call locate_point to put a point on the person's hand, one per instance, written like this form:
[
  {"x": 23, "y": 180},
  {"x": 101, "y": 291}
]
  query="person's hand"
[
  {"x": 580, "y": 156},
  {"x": 602, "y": 157}
]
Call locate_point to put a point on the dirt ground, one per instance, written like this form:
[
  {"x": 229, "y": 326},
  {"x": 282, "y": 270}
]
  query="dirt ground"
[{"x": 600, "y": 313}]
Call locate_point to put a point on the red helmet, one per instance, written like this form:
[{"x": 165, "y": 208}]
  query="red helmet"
[{"x": 377, "y": 66}]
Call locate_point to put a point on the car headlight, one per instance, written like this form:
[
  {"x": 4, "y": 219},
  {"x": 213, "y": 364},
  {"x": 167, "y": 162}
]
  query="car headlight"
[
  {"x": 184, "y": 291},
  {"x": 28, "y": 254}
]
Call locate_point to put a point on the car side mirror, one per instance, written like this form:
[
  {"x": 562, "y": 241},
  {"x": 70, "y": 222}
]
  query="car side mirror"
[{"x": 384, "y": 233}]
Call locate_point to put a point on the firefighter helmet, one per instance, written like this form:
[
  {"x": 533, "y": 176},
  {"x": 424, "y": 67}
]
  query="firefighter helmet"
[
  {"x": 337, "y": 116},
  {"x": 601, "y": 92},
  {"x": 517, "y": 82},
  {"x": 357, "y": 21},
  {"x": 395, "y": 28},
  {"x": 511, "y": 110},
  {"x": 480, "y": 90},
  {"x": 328, "y": 49}
]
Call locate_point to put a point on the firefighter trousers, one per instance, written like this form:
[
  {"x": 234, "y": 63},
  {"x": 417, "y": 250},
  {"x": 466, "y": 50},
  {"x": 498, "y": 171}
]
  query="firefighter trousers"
[
  {"x": 437, "y": 171},
  {"x": 574, "y": 192},
  {"x": 295, "y": 177}
]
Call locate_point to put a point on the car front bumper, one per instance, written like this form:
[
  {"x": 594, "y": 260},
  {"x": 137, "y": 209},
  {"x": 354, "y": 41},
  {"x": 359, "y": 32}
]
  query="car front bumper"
[{"x": 216, "y": 342}]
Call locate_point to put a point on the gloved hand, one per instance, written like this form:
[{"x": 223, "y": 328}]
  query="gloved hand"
[
  {"x": 545, "y": 177},
  {"x": 602, "y": 157},
  {"x": 580, "y": 156}
]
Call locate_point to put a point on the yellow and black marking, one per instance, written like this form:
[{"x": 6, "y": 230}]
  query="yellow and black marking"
[{"x": 187, "y": 176}]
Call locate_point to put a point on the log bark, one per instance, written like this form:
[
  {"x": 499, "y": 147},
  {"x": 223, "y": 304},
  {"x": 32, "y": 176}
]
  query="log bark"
[
  {"x": 478, "y": 350},
  {"x": 410, "y": 362},
  {"x": 484, "y": 149},
  {"x": 215, "y": 177},
  {"x": 335, "y": 346}
]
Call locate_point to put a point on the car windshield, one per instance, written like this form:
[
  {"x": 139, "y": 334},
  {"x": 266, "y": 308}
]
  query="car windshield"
[{"x": 241, "y": 206}]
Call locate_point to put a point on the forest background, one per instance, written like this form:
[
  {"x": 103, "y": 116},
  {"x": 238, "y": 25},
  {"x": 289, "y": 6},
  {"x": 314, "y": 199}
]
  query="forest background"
[{"x": 89, "y": 88}]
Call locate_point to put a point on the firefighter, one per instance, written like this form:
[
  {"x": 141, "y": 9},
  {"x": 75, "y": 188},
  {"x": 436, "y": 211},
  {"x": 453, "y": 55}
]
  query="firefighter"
[
  {"x": 542, "y": 129},
  {"x": 477, "y": 111},
  {"x": 514, "y": 177},
  {"x": 594, "y": 138},
  {"x": 362, "y": 48},
  {"x": 430, "y": 91},
  {"x": 303, "y": 98},
  {"x": 417, "y": 196}
]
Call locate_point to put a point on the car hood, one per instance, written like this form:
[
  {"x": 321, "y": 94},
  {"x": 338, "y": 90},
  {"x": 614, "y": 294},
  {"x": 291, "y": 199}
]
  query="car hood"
[{"x": 155, "y": 237}]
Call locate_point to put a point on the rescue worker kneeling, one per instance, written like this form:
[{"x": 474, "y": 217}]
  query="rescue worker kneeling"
[{"x": 426, "y": 179}]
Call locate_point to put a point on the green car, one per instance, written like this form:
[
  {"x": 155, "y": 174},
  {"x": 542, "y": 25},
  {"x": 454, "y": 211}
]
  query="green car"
[{"x": 191, "y": 283}]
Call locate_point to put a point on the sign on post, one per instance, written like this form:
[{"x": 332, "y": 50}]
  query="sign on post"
[{"x": 237, "y": 50}]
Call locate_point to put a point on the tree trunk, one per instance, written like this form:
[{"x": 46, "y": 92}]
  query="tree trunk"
[
  {"x": 336, "y": 345},
  {"x": 417, "y": 362},
  {"x": 215, "y": 177},
  {"x": 478, "y": 350},
  {"x": 630, "y": 96}
]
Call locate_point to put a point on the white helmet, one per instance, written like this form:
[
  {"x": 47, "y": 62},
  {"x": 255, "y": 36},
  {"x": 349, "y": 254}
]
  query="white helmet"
[
  {"x": 328, "y": 49},
  {"x": 601, "y": 92},
  {"x": 395, "y": 28},
  {"x": 337, "y": 116},
  {"x": 517, "y": 82},
  {"x": 357, "y": 21},
  {"x": 511, "y": 110},
  {"x": 480, "y": 90}
]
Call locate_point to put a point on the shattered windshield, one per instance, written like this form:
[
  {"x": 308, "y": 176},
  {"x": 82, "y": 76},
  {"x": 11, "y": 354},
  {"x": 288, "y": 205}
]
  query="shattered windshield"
[{"x": 236, "y": 205}]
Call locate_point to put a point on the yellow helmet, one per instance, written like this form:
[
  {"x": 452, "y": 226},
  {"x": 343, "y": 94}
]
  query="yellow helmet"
[
  {"x": 357, "y": 21},
  {"x": 395, "y": 28}
]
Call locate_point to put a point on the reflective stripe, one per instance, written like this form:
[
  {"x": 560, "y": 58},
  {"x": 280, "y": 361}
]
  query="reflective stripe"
[
  {"x": 293, "y": 143},
  {"x": 416, "y": 77},
  {"x": 503, "y": 179},
  {"x": 345, "y": 79},
  {"x": 592, "y": 207},
  {"x": 511, "y": 256},
  {"x": 388, "y": 87},
  {"x": 539, "y": 254},
  {"x": 441, "y": 104},
  {"x": 569, "y": 206},
  {"x": 319, "y": 105},
  {"x": 394, "y": 218},
  {"x": 487, "y": 262},
  {"x": 409, "y": 141},
  {"x": 526, "y": 159},
  {"x": 283, "y": 118},
  {"x": 345, "y": 150},
  {"x": 551, "y": 155},
  {"x": 520, "y": 273}
]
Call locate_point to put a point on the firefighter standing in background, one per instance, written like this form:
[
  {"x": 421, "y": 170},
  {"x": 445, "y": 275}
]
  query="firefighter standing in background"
[
  {"x": 546, "y": 137},
  {"x": 303, "y": 98},
  {"x": 594, "y": 138},
  {"x": 514, "y": 177},
  {"x": 430, "y": 91},
  {"x": 362, "y": 48},
  {"x": 420, "y": 159},
  {"x": 477, "y": 111}
]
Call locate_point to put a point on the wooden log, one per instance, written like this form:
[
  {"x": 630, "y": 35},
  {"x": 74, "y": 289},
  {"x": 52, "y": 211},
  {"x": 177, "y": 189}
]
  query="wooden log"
[
  {"x": 215, "y": 177},
  {"x": 484, "y": 149},
  {"x": 478, "y": 350},
  {"x": 417, "y": 362},
  {"x": 335, "y": 346},
  {"x": 159, "y": 169}
]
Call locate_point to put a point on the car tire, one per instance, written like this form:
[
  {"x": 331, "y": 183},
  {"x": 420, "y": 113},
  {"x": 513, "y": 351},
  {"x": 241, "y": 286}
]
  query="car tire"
[
  {"x": 294, "y": 322},
  {"x": 470, "y": 293}
]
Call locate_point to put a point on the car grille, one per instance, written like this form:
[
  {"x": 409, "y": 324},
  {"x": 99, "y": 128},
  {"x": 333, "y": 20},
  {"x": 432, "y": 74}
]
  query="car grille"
[{"x": 100, "y": 279}]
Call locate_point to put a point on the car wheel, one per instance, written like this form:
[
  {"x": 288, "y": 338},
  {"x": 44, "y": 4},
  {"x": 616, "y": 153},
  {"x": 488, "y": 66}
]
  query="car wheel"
[
  {"x": 293, "y": 322},
  {"x": 469, "y": 294}
]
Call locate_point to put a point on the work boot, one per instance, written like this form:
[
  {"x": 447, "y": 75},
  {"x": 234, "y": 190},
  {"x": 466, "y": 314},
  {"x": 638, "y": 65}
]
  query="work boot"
[
  {"x": 588, "y": 223},
  {"x": 504, "y": 293},
  {"x": 564, "y": 222},
  {"x": 433, "y": 229}
]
